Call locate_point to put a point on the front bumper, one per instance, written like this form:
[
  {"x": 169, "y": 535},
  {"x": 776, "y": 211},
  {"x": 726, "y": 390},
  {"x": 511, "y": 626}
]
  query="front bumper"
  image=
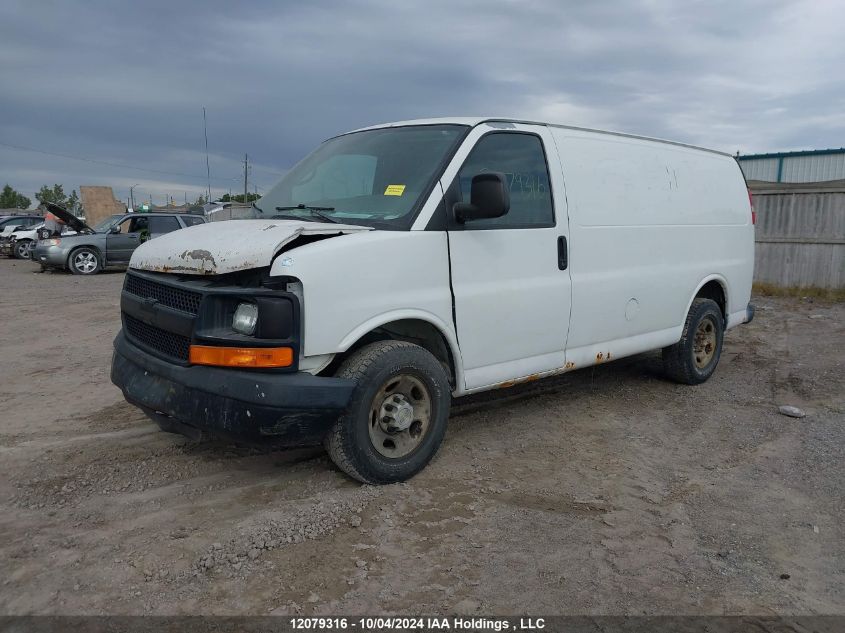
[
  {"x": 6, "y": 248},
  {"x": 293, "y": 409}
]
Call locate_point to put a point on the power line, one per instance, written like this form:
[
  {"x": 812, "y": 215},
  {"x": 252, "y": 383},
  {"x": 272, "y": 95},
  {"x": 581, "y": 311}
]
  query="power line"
[{"x": 108, "y": 163}]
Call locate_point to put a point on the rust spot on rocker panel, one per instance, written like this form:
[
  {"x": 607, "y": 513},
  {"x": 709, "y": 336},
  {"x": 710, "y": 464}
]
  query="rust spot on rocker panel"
[{"x": 518, "y": 381}]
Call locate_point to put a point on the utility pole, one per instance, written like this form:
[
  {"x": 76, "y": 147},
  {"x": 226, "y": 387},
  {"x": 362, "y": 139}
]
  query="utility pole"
[
  {"x": 246, "y": 169},
  {"x": 207, "y": 168},
  {"x": 132, "y": 196}
]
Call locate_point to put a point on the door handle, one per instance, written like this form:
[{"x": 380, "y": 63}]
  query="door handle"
[{"x": 562, "y": 254}]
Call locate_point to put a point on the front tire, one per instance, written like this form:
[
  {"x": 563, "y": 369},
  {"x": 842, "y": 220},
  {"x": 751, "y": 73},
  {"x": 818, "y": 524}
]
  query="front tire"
[
  {"x": 84, "y": 261},
  {"x": 397, "y": 417},
  {"x": 694, "y": 358},
  {"x": 23, "y": 249}
]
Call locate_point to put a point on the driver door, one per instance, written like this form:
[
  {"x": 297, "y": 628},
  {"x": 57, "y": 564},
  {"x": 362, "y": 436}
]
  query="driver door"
[
  {"x": 124, "y": 238},
  {"x": 510, "y": 276}
]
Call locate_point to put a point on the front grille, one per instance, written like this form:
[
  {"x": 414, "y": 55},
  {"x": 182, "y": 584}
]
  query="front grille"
[
  {"x": 162, "y": 341},
  {"x": 177, "y": 298}
]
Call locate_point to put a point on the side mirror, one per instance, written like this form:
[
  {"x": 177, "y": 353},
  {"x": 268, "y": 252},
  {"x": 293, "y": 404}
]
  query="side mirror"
[
  {"x": 489, "y": 198},
  {"x": 115, "y": 229}
]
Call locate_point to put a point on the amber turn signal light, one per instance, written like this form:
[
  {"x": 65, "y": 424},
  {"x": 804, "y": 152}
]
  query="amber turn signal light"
[{"x": 241, "y": 356}]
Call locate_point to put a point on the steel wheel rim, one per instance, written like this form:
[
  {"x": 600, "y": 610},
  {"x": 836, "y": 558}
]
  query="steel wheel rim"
[
  {"x": 85, "y": 262},
  {"x": 704, "y": 344},
  {"x": 400, "y": 416}
]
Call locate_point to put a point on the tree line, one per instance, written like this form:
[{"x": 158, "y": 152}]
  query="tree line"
[{"x": 11, "y": 199}]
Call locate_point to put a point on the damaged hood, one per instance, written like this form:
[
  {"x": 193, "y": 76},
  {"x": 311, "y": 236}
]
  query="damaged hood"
[
  {"x": 216, "y": 248},
  {"x": 68, "y": 218}
]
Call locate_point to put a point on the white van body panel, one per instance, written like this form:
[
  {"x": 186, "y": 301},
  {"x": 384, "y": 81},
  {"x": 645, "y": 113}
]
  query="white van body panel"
[
  {"x": 650, "y": 223},
  {"x": 356, "y": 283}
]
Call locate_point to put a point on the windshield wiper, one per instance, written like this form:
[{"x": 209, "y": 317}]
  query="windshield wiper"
[
  {"x": 315, "y": 211},
  {"x": 288, "y": 216}
]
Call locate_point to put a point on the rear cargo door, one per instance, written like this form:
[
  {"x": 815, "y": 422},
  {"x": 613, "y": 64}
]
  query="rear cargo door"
[{"x": 510, "y": 275}]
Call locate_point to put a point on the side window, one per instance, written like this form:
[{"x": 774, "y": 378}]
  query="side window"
[
  {"x": 137, "y": 225},
  {"x": 191, "y": 220},
  {"x": 163, "y": 225},
  {"x": 521, "y": 158}
]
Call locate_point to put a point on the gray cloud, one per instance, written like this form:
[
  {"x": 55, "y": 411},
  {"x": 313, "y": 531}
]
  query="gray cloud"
[{"x": 126, "y": 83}]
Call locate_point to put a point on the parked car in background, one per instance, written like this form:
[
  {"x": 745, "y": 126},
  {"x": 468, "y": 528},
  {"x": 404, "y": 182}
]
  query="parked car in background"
[
  {"x": 11, "y": 224},
  {"x": 20, "y": 243},
  {"x": 110, "y": 243},
  {"x": 10, "y": 235},
  {"x": 8, "y": 223}
]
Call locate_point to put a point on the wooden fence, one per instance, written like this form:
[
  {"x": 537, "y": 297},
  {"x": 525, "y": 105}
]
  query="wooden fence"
[{"x": 800, "y": 235}]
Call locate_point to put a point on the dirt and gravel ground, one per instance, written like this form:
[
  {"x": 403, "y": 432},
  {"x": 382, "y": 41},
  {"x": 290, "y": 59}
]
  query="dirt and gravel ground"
[{"x": 606, "y": 491}]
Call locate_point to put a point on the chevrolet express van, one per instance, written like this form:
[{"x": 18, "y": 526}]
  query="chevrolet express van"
[{"x": 402, "y": 265}]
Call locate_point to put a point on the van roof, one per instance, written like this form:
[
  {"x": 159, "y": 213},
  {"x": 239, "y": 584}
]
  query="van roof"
[{"x": 473, "y": 121}]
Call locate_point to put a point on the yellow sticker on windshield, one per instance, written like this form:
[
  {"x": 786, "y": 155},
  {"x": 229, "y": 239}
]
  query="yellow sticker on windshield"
[{"x": 394, "y": 190}]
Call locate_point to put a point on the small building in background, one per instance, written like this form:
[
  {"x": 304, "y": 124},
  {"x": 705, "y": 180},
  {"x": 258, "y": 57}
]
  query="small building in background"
[
  {"x": 99, "y": 203},
  {"x": 815, "y": 165}
]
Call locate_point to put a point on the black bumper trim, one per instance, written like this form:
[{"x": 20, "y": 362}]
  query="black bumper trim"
[
  {"x": 256, "y": 407},
  {"x": 749, "y": 313}
]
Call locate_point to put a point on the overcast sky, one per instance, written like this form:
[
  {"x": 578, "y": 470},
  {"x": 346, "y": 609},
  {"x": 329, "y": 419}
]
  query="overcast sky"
[{"x": 126, "y": 82}]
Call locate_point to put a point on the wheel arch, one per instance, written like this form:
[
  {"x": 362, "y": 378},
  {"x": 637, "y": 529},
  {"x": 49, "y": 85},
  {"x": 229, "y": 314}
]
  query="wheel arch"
[
  {"x": 713, "y": 287},
  {"x": 421, "y": 328}
]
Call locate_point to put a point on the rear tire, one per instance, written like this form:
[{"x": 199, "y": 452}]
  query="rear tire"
[
  {"x": 84, "y": 261},
  {"x": 694, "y": 358},
  {"x": 397, "y": 416}
]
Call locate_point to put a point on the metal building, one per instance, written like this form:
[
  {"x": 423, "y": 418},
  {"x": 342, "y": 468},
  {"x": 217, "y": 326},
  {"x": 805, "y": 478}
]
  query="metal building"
[{"x": 816, "y": 165}]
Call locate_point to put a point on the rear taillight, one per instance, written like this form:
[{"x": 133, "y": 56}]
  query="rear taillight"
[{"x": 751, "y": 204}]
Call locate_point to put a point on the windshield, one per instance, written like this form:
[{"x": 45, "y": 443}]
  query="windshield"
[
  {"x": 375, "y": 178},
  {"x": 105, "y": 225},
  {"x": 13, "y": 222}
]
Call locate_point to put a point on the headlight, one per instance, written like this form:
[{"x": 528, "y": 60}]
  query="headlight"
[
  {"x": 246, "y": 316},
  {"x": 54, "y": 242}
]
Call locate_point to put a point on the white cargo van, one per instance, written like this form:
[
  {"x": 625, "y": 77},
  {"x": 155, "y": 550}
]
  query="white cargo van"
[{"x": 405, "y": 264}]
